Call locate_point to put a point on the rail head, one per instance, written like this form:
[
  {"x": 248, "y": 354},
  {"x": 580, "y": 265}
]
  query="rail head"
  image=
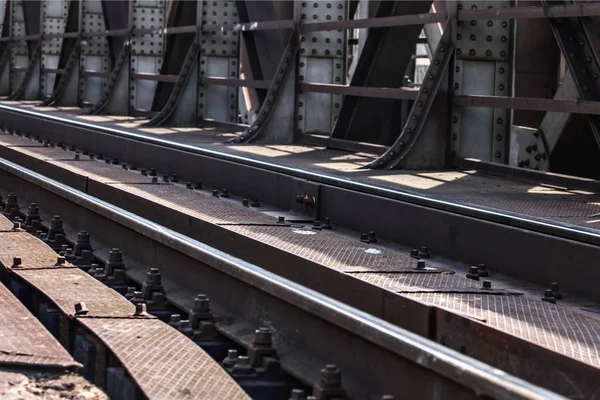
[{"x": 478, "y": 376}]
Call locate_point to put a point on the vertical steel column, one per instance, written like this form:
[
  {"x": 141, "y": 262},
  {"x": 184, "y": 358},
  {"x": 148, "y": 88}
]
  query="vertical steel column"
[
  {"x": 219, "y": 57},
  {"x": 54, "y": 20},
  {"x": 146, "y": 52},
  {"x": 94, "y": 54},
  {"x": 483, "y": 66},
  {"x": 25, "y": 55},
  {"x": 5, "y": 48},
  {"x": 322, "y": 60}
]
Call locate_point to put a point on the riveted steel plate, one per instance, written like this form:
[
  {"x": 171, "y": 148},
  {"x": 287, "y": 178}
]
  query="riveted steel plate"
[
  {"x": 163, "y": 362},
  {"x": 24, "y": 340},
  {"x": 335, "y": 250},
  {"x": 67, "y": 286},
  {"x": 439, "y": 283},
  {"x": 560, "y": 329},
  {"x": 33, "y": 252},
  {"x": 5, "y": 224},
  {"x": 199, "y": 204}
]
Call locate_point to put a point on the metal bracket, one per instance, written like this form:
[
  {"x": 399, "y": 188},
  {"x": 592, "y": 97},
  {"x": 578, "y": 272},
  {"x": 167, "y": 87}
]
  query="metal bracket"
[
  {"x": 420, "y": 110},
  {"x": 259, "y": 130}
]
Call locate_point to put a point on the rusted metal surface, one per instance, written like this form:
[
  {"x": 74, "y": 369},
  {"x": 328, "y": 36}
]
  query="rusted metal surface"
[
  {"x": 33, "y": 252},
  {"x": 552, "y": 326},
  {"x": 199, "y": 204},
  {"x": 335, "y": 250},
  {"x": 5, "y": 224},
  {"x": 24, "y": 340},
  {"x": 164, "y": 363},
  {"x": 438, "y": 283},
  {"x": 67, "y": 286}
]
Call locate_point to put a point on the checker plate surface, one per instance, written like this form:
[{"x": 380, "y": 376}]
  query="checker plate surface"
[
  {"x": 67, "y": 286},
  {"x": 164, "y": 363},
  {"x": 335, "y": 250},
  {"x": 47, "y": 153},
  {"x": 408, "y": 283},
  {"x": 102, "y": 172},
  {"x": 199, "y": 204},
  {"x": 14, "y": 140},
  {"x": 552, "y": 326},
  {"x": 24, "y": 340},
  {"x": 5, "y": 224},
  {"x": 33, "y": 252}
]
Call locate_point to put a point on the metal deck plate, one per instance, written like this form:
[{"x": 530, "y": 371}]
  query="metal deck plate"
[
  {"x": 552, "y": 326},
  {"x": 199, "y": 204},
  {"x": 335, "y": 250},
  {"x": 67, "y": 286},
  {"x": 47, "y": 153},
  {"x": 163, "y": 362},
  {"x": 5, "y": 224},
  {"x": 102, "y": 172},
  {"x": 24, "y": 340},
  {"x": 14, "y": 140},
  {"x": 413, "y": 283},
  {"x": 33, "y": 252}
]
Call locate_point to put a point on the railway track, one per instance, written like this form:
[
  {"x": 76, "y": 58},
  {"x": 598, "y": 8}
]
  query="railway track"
[
  {"x": 498, "y": 313},
  {"x": 307, "y": 330}
]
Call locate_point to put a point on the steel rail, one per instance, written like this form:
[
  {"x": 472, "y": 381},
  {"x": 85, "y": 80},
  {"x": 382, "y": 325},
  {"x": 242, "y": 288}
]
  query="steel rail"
[
  {"x": 580, "y": 234},
  {"x": 472, "y": 374}
]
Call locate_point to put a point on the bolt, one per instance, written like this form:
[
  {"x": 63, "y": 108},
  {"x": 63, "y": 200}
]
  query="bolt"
[
  {"x": 372, "y": 238},
  {"x": 280, "y": 219},
  {"x": 421, "y": 264},
  {"x": 80, "y": 308},
  {"x": 224, "y": 193},
  {"x": 482, "y": 270},
  {"x": 199, "y": 186},
  {"x": 414, "y": 253},
  {"x": 555, "y": 291},
  {"x": 115, "y": 161},
  {"x": 185, "y": 327},
  {"x": 424, "y": 252},
  {"x": 124, "y": 166},
  {"x": 215, "y": 193},
  {"x": 242, "y": 366},
  {"x": 473, "y": 273},
  {"x": 76, "y": 156},
  {"x": 263, "y": 337},
  {"x": 153, "y": 276},
  {"x": 17, "y": 262},
  {"x": 175, "y": 178},
  {"x": 201, "y": 304},
  {"x": 60, "y": 260},
  {"x": 231, "y": 359},
  {"x": 143, "y": 172},
  {"x": 94, "y": 268},
  {"x": 245, "y": 203},
  {"x": 130, "y": 289},
  {"x": 16, "y": 226},
  {"x": 152, "y": 171},
  {"x": 154, "y": 179},
  {"x": 175, "y": 320},
  {"x": 364, "y": 237},
  {"x": 317, "y": 225},
  {"x": 140, "y": 310},
  {"x": 327, "y": 224},
  {"x": 487, "y": 285},
  {"x": 297, "y": 394},
  {"x": 255, "y": 203},
  {"x": 331, "y": 377},
  {"x": 166, "y": 178},
  {"x": 100, "y": 274},
  {"x": 189, "y": 185},
  {"x": 549, "y": 296}
]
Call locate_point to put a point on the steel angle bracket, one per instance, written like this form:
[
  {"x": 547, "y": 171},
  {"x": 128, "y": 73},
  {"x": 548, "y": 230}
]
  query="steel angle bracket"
[
  {"x": 112, "y": 79},
  {"x": 64, "y": 78},
  {"x": 31, "y": 65},
  {"x": 572, "y": 36},
  {"x": 420, "y": 110},
  {"x": 191, "y": 59},
  {"x": 286, "y": 65}
]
